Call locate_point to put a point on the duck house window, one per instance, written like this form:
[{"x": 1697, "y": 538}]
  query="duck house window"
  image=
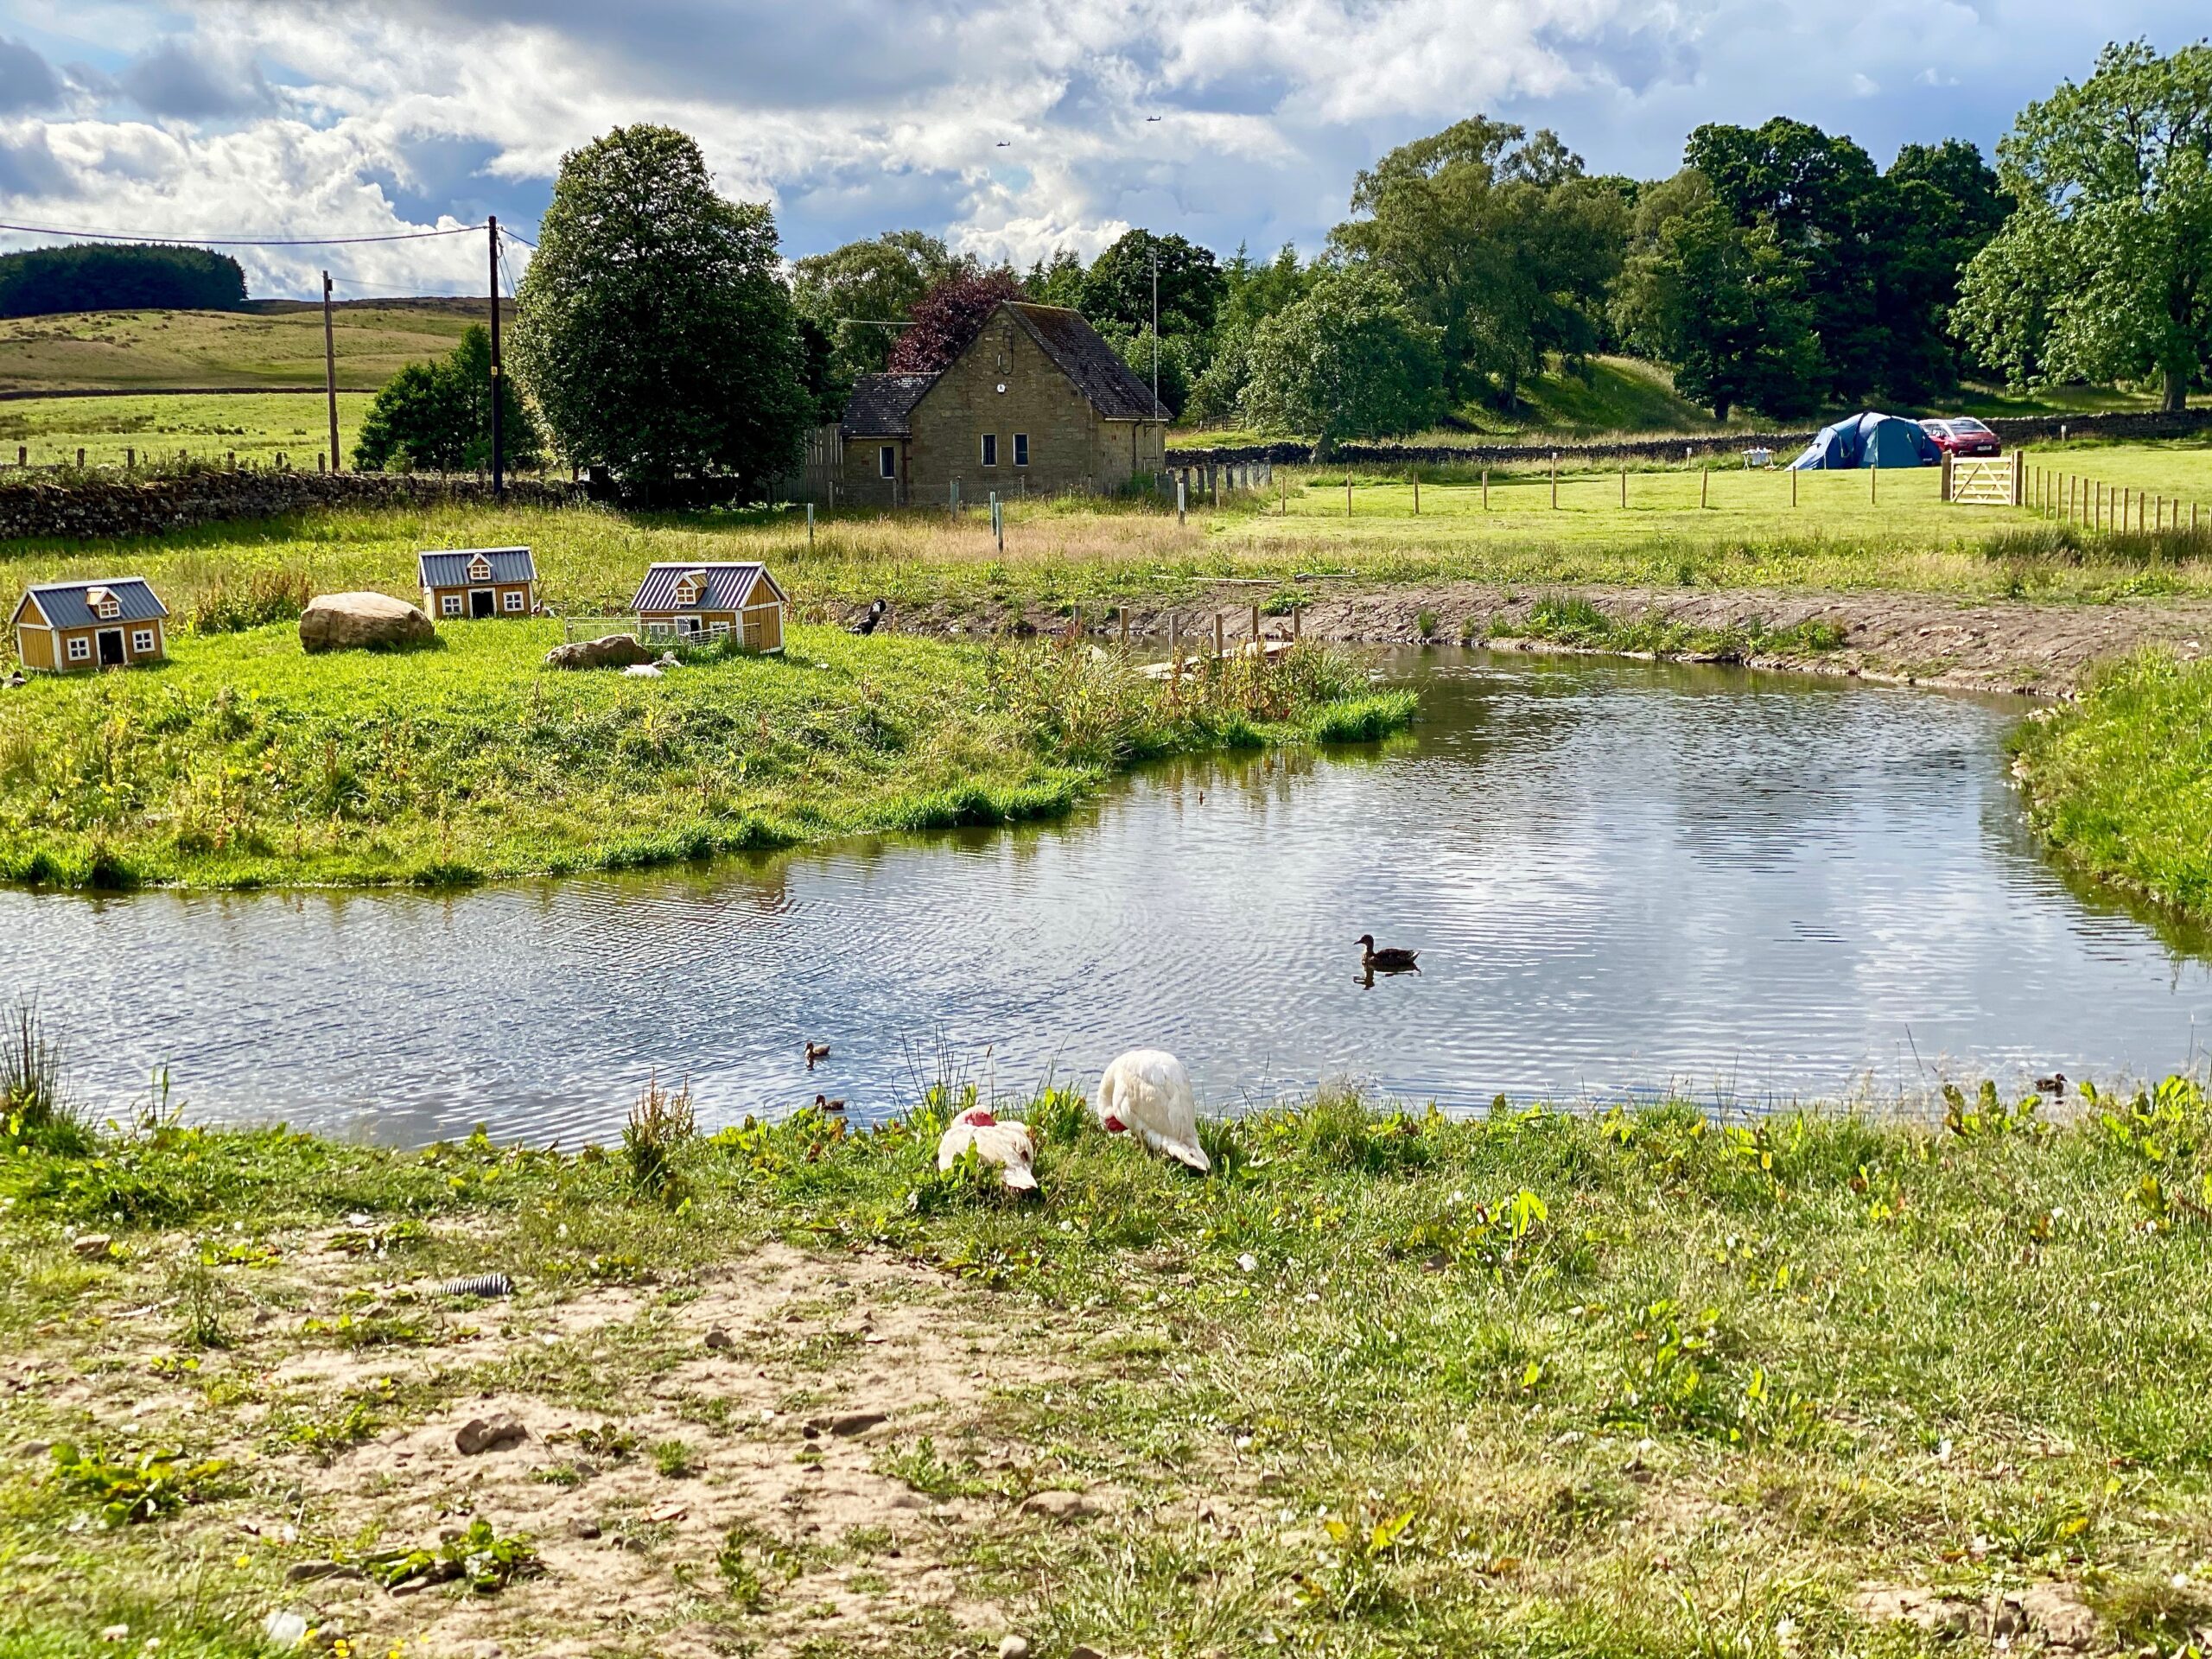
[
  {"x": 990, "y": 448},
  {"x": 514, "y": 599},
  {"x": 687, "y": 593},
  {"x": 886, "y": 460},
  {"x": 449, "y": 604},
  {"x": 142, "y": 640},
  {"x": 1021, "y": 448},
  {"x": 480, "y": 571},
  {"x": 80, "y": 649}
]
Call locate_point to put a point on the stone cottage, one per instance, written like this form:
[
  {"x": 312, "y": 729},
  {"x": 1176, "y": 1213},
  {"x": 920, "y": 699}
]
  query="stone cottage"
[{"x": 1036, "y": 403}]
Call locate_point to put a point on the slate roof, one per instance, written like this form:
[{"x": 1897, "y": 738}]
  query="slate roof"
[
  {"x": 880, "y": 404},
  {"x": 65, "y": 606},
  {"x": 727, "y": 587},
  {"x": 1110, "y": 385},
  {"x": 451, "y": 568}
]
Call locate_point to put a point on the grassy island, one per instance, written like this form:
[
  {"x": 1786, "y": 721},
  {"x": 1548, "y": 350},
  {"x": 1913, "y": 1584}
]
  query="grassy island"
[
  {"x": 243, "y": 762},
  {"x": 1610, "y": 1383}
]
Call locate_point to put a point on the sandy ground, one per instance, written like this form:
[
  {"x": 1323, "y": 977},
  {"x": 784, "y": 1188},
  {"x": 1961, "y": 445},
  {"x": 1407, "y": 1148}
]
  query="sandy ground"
[{"x": 2020, "y": 646}]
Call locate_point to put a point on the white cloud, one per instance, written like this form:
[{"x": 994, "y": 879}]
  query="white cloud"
[{"x": 275, "y": 116}]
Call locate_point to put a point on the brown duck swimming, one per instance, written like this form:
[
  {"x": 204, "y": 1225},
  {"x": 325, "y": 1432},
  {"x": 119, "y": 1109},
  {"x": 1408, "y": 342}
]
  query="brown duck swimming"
[{"x": 1389, "y": 960}]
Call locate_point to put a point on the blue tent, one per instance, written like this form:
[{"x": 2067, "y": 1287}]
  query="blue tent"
[{"x": 1869, "y": 440}]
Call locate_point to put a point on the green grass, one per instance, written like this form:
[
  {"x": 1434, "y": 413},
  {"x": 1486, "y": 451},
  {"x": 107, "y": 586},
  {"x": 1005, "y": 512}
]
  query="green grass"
[
  {"x": 2120, "y": 783},
  {"x": 243, "y": 761},
  {"x": 1611, "y": 1382},
  {"x": 275, "y": 343},
  {"x": 158, "y": 430}
]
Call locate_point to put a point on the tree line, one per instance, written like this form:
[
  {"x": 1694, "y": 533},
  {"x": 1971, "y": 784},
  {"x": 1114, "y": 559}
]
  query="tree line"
[
  {"x": 102, "y": 276},
  {"x": 1780, "y": 270}
]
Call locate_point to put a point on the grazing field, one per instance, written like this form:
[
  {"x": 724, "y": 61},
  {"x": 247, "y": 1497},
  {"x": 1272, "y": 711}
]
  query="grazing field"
[
  {"x": 254, "y": 426},
  {"x": 278, "y": 344},
  {"x": 242, "y": 761},
  {"x": 1851, "y": 532},
  {"x": 1620, "y": 1382}
]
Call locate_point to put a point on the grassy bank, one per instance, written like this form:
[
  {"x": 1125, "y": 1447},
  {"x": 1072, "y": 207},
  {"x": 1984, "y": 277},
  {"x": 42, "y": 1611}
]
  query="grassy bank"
[
  {"x": 254, "y": 426},
  {"x": 2120, "y": 782},
  {"x": 243, "y": 762},
  {"x": 1614, "y": 1382},
  {"x": 281, "y": 346}
]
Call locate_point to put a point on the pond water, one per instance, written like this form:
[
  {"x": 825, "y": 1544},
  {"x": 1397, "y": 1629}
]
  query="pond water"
[{"x": 1621, "y": 878}]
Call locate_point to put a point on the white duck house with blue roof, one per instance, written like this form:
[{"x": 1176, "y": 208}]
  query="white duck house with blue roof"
[
  {"x": 113, "y": 622},
  {"x": 702, "y": 603},
  {"x": 479, "y": 582}
]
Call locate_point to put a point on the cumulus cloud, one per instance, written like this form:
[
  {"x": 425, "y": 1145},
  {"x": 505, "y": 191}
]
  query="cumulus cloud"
[{"x": 1010, "y": 126}]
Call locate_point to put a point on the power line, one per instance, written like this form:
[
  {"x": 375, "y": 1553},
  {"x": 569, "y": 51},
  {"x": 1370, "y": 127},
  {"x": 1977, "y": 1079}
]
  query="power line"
[{"x": 248, "y": 242}]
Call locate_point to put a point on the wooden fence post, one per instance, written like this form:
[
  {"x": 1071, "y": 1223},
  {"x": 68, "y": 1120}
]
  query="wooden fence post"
[
  {"x": 1297, "y": 626},
  {"x": 1704, "y": 479},
  {"x": 1486, "y": 489},
  {"x": 1943, "y": 484},
  {"x": 1416, "y": 495},
  {"x": 1554, "y": 481},
  {"x": 1124, "y": 610},
  {"x": 1256, "y": 622},
  {"x": 1220, "y": 636},
  {"x": 1623, "y": 486},
  {"x": 1793, "y": 486},
  {"x": 2019, "y": 477},
  {"x": 1873, "y": 484},
  {"x": 1347, "y": 493}
]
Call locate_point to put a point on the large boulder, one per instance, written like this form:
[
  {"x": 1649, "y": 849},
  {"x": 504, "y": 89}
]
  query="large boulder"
[
  {"x": 362, "y": 622},
  {"x": 615, "y": 650}
]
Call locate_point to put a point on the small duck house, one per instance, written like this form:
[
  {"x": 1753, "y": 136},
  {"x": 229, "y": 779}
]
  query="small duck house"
[
  {"x": 705, "y": 602},
  {"x": 115, "y": 622},
  {"x": 478, "y": 582}
]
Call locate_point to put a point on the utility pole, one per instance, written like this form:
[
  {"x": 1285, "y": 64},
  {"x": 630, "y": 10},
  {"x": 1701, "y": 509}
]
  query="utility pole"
[
  {"x": 499, "y": 473},
  {"x": 330, "y": 371},
  {"x": 1155, "y": 330}
]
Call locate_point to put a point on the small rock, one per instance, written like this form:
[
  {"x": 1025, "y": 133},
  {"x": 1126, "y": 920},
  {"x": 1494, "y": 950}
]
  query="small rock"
[
  {"x": 845, "y": 1425},
  {"x": 412, "y": 1587},
  {"x": 490, "y": 1650},
  {"x": 1084, "y": 1650},
  {"x": 489, "y": 1434},
  {"x": 1248, "y": 1262},
  {"x": 583, "y": 1527},
  {"x": 115, "y": 1632},
  {"x": 94, "y": 1244},
  {"x": 284, "y": 1629},
  {"x": 34, "y": 1448},
  {"x": 1059, "y": 1506},
  {"x": 718, "y": 1339},
  {"x": 2058, "y": 1611},
  {"x": 1013, "y": 1647}
]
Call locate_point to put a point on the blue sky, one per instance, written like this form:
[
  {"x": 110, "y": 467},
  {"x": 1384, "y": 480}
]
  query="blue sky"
[{"x": 1009, "y": 126}]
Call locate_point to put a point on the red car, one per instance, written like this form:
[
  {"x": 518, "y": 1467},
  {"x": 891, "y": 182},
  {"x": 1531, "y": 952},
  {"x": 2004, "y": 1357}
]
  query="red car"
[{"x": 1962, "y": 437}]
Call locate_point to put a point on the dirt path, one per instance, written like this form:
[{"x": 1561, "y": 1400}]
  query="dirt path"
[{"x": 2035, "y": 649}]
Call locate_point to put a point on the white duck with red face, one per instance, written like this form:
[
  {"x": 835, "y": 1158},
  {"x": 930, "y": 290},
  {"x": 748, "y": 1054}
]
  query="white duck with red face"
[
  {"x": 1005, "y": 1147},
  {"x": 1146, "y": 1093}
]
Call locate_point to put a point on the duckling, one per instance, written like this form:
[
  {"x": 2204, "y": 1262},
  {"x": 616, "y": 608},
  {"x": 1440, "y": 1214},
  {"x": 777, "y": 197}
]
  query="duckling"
[
  {"x": 1391, "y": 959},
  {"x": 816, "y": 1051},
  {"x": 2053, "y": 1085},
  {"x": 823, "y": 1105}
]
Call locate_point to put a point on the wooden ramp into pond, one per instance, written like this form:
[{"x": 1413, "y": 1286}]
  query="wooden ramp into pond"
[{"x": 1269, "y": 650}]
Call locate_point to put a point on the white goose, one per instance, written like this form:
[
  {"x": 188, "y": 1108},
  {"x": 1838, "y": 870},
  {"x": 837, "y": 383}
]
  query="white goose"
[
  {"x": 1146, "y": 1093},
  {"x": 1005, "y": 1147}
]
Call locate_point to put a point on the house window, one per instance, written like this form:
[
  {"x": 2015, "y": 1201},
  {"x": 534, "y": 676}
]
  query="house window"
[
  {"x": 717, "y": 630},
  {"x": 514, "y": 599},
  {"x": 480, "y": 571},
  {"x": 656, "y": 630},
  {"x": 686, "y": 624},
  {"x": 142, "y": 641},
  {"x": 990, "y": 448},
  {"x": 886, "y": 460},
  {"x": 80, "y": 649},
  {"x": 1021, "y": 448},
  {"x": 449, "y": 605}
]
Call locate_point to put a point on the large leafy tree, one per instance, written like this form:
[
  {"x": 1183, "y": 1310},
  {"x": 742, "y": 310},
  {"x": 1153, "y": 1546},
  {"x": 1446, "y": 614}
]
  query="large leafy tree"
[
  {"x": 1496, "y": 240},
  {"x": 1118, "y": 288},
  {"x": 1722, "y": 302},
  {"x": 855, "y": 294},
  {"x": 1945, "y": 205},
  {"x": 1058, "y": 281},
  {"x": 1350, "y": 359},
  {"x": 94, "y": 276},
  {"x": 437, "y": 417},
  {"x": 945, "y": 318},
  {"x": 655, "y": 330},
  {"x": 2104, "y": 272}
]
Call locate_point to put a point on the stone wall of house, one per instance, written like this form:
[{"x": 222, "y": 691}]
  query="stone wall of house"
[
  {"x": 44, "y": 506},
  {"x": 2013, "y": 430}
]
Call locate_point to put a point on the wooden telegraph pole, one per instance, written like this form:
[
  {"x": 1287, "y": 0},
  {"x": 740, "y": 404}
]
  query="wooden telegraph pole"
[
  {"x": 499, "y": 469},
  {"x": 330, "y": 371}
]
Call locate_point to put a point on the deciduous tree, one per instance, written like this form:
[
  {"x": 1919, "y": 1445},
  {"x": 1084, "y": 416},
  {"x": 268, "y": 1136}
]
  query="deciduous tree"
[
  {"x": 1350, "y": 359},
  {"x": 437, "y": 417},
  {"x": 2104, "y": 271},
  {"x": 946, "y": 318},
  {"x": 853, "y": 294},
  {"x": 654, "y": 327}
]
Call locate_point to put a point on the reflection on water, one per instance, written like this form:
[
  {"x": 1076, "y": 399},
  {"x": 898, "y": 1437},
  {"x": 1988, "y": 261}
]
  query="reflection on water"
[{"x": 1620, "y": 877}]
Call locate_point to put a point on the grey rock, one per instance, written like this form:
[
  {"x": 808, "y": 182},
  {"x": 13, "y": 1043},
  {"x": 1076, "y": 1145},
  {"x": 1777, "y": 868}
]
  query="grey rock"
[
  {"x": 362, "y": 622},
  {"x": 720, "y": 1339},
  {"x": 489, "y": 1434},
  {"x": 93, "y": 1244},
  {"x": 309, "y": 1572},
  {"x": 1013, "y": 1647},
  {"x": 583, "y": 1527},
  {"x": 614, "y": 651}
]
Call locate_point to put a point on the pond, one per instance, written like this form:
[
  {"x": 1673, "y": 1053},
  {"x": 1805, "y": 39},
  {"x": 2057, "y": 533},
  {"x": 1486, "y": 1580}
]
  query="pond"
[{"x": 1622, "y": 878}]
